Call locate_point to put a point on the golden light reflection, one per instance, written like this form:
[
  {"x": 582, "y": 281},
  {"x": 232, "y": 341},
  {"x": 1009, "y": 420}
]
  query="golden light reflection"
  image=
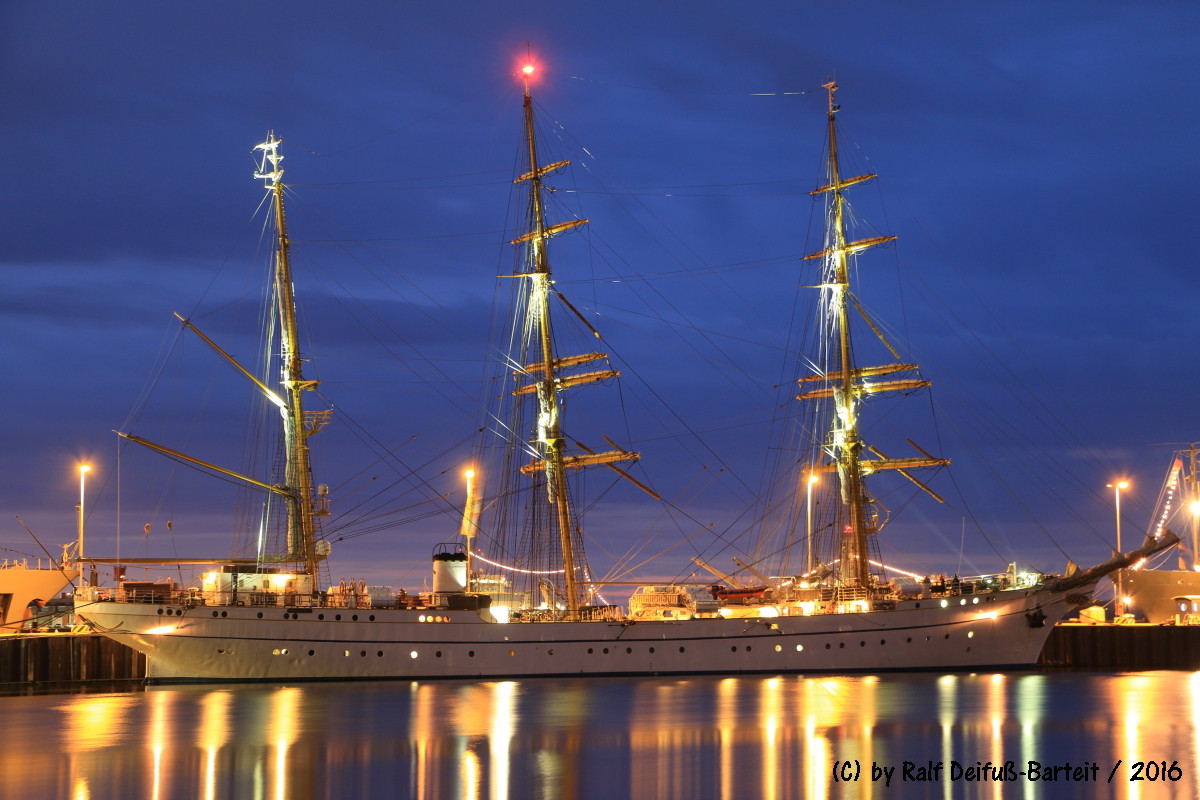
[
  {"x": 770, "y": 737},
  {"x": 768, "y": 711},
  {"x": 281, "y": 732},
  {"x": 97, "y": 722},
  {"x": 1193, "y": 686},
  {"x": 504, "y": 724},
  {"x": 727, "y": 724},
  {"x": 210, "y": 736}
]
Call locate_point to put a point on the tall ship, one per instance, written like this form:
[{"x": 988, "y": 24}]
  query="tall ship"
[
  {"x": 268, "y": 617},
  {"x": 1166, "y": 589}
]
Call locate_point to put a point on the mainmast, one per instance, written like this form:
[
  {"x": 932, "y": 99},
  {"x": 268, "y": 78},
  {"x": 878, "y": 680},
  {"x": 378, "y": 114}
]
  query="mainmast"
[
  {"x": 301, "y": 545},
  {"x": 548, "y": 374},
  {"x": 844, "y": 382}
]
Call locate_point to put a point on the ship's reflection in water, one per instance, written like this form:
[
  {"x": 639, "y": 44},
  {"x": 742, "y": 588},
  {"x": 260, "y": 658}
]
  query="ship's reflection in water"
[{"x": 770, "y": 737}]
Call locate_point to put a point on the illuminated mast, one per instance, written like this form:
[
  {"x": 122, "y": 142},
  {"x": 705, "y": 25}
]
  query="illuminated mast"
[
  {"x": 298, "y": 475},
  {"x": 547, "y": 374},
  {"x": 844, "y": 382}
]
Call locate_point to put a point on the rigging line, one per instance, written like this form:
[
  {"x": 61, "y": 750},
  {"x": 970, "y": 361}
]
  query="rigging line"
[
  {"x": 352, "y": 188},
  {"x": 691, "y": 91},
  {"x": 687, "y": 272},
  {"x": 405, "y": 180},
  {"x": 370, "y": 140},
  {"x": 455, "y": 332},
  {"x": 1070, "y": 431},
  {"x": 412, "y": 473},
  {"x": 359, "y": 240}
]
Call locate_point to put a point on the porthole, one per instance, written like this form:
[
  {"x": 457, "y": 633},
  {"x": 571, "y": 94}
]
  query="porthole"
[
  {"x": 747, "y": 648},
  {"x": 733, "y": 649},
  {"x": 160, "y": 611},
  {"x": 841, "y": 645},
  {"x": 413, "y": 654},
  {"x": 970, "y": 634},
  {"x": 421, "y": 618},
  {"x": 363, "y": 653},
  {"x": 651, "y": 649},
  {"x": 908, "y": 640},
  {"x": 224, "y": 613},
  {"x": 371, "y": 618},
  {"x": 918, "y": 605},
  {"x": 962, "y": 602},
  {"x": 589, "y": 651},
  {"x": 681, "y": 649},
  {"x": 550, "y": 652},
  {"x": 380, "y": 654},
  {"x": 943, "y": 604},
  {"x": 355, "y": 618},
  {"x": 947, "y": 636},
  {"x": 337, "y": 617},
  {"x": 320, "y": 616},
  {"x": 214, "y": 613},
  {"x": 512, "y": 652},
  {"x": 862, "y": 644},
  {"x": 974, "y": 601},
  {"x": 827, "y": 646},
  {"x": 778, "y": 648},
  {"x": 312, "y": 652},
  {"x": 883, "y": 641},
  {"x": 260, "y": 615},
  {"x": 628, "y": 649},
  {"x": 470, "y": 654},
  {"x": 220, "y": 651},
  {"x": 606, "y": 651},
  {"x": 799, "y": 648}
]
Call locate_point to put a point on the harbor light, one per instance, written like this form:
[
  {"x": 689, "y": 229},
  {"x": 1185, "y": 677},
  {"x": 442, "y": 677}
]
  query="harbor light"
[
  {"x": 83, "y": 471},
  {"x": 1117, "y": 487}
]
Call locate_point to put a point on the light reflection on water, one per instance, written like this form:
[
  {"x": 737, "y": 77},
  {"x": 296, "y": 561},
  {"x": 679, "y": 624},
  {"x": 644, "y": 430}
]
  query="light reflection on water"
[{"x": 724, "y": 738}]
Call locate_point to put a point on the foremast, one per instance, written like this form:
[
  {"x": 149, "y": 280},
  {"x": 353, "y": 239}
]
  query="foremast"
[
  {"x": 845, "y": 382},
  {"x": 301, "y": 501},
  {"x": 548, "y": 376}
]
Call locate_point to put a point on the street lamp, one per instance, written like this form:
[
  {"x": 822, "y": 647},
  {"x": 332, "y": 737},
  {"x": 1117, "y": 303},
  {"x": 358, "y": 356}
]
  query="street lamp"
[
  {"x": 808, "y": 490},
  {"x": 83, "y": 471},
  {"x": 1194, "y": 507},
  {"x": 1117, "y": 486}
]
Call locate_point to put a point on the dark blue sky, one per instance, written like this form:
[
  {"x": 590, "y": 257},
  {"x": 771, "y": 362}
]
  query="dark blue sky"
[{"x": 1037, "y": 162}]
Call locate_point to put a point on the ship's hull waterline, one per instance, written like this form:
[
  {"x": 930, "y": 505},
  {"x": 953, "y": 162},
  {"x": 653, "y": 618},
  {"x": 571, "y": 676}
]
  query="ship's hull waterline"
[{"x": 245, "y": 643}]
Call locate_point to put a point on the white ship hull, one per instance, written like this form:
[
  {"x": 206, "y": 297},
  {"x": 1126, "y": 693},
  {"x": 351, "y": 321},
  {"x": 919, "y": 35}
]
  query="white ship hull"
[{"x": 246, "y": 643}]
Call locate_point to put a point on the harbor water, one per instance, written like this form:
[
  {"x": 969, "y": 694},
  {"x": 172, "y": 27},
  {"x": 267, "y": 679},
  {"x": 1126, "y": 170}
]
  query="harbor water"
[{"x": 1018, "y": 735}]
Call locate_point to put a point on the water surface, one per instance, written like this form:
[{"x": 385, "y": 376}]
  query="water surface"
[{"x": 695, "y": 738}]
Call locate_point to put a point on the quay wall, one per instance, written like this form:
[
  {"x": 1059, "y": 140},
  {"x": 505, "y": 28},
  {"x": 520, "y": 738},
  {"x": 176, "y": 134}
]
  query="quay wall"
[{"x": 33, "y": 658}]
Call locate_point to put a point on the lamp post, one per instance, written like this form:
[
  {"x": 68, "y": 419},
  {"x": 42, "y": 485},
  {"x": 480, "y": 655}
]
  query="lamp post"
[
  {"x": 83, "y": 471},
  {"x": 1194, "y": 507},
  {"x": 1117, "y": 486},
  {"x": 808, "y": 490}
]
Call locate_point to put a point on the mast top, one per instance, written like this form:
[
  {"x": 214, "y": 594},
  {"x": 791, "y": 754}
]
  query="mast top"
[
  {"x": 831, "y": 87},
  {"x": 528, "y": 67},
  {"x": 272, "y": 156}
]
